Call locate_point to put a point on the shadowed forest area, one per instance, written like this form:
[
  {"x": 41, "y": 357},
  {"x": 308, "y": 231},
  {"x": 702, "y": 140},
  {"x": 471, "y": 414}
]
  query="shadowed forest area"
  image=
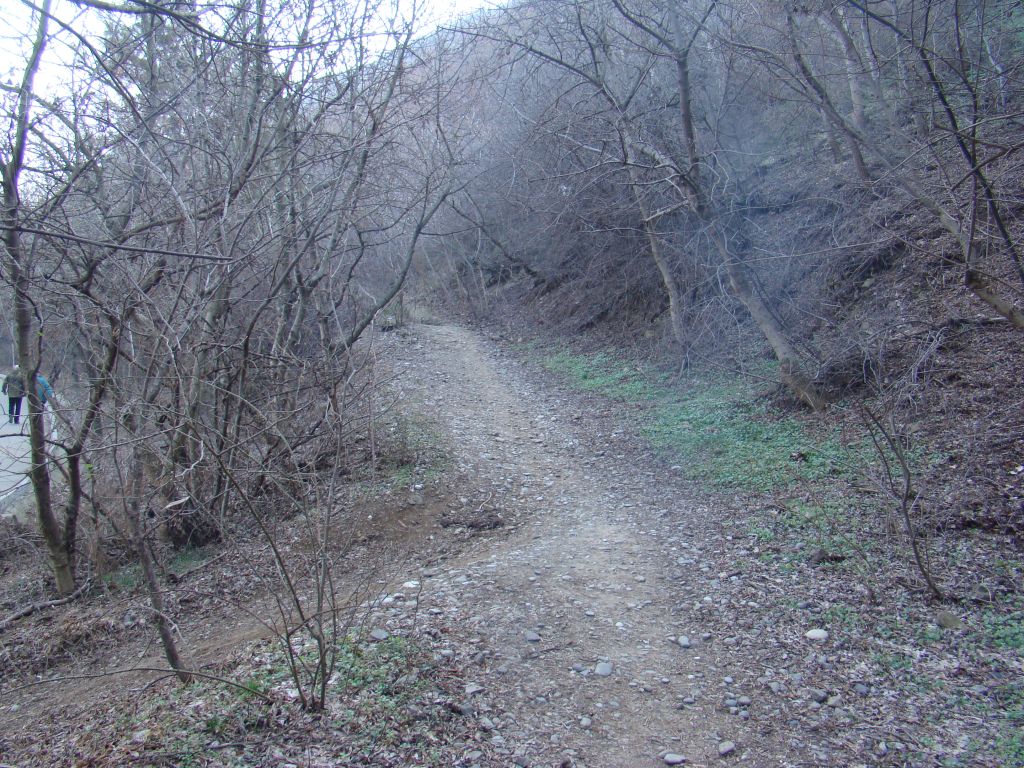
[{"x": 775, "y": 245}]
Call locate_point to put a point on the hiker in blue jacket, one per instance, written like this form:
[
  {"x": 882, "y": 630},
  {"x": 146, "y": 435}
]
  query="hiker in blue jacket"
[{"x": 43, "y": 389}]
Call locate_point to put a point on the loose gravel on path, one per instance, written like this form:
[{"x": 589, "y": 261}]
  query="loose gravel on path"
[{"x": 590, "y": 616}]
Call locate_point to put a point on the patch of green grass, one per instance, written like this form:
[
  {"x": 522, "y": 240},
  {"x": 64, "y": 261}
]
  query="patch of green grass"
[
  {"x": 128, "y": 577},
  {"x": 410, "y": 450},
  {"x": 601, "y": 372},
  {"x": 259, "y": 683},
  {"x": 372, "y": 690},
  {"x": 931, "y": 635},
  {"x": 842, "y": 615},
  {"x": 1011, "y": 701},
  {"x": 1006, "y": 702},
  {"x": 1008, "y": 568},
  {"x": 715, "y": 429},
  {"x": 1005, "y": 631},
  {"x": 892, "y": 663},
  {"x": 802, "y": 515},
  {"x": 403, "y": 475},
  {"x": 375, "y": 668},
  {"x": 923, "y": 683},
  {"x": 1010, "y": 750},
  {"x": 721, "y": 435},
  {"x": 973, "y": 749},
  {"x": 408, "y": 474},
  {"x": 837, "y": 545},
  {"x": 186, "y": 559},
  {"x": 216, "y": 725}
]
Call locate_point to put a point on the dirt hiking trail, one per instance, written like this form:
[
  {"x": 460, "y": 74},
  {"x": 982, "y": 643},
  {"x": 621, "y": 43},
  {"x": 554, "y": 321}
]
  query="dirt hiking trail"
[
  {"x": 593, "y": 609},
  {"x": 592, "y": 616}
]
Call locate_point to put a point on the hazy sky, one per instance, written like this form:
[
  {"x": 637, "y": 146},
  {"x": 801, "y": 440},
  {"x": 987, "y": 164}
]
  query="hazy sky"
[{"x": 17, "y": 26}]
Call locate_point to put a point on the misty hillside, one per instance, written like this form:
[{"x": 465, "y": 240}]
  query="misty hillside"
[
  {"x": 564, "y": 382},
  {"x": 714, "y": 187}
]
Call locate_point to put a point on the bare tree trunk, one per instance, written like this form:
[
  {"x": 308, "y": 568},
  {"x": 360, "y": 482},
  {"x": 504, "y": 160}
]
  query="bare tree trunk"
[
  {"x": 830, "y": 135},
  {"x": 790, "y": 369},
  {"x": 704, "y": 209},
  {"x": 20, "y": 275},
  {"x": 61, "y": 561},
  {"x": 826, "y": 105},
  {"x": 668, "y": 278},
  {"x": 789, "y": 361},
  {"x": 672, "y": 290},
  {"x": 855, "y": 73},
  {"x": 136, "y": 522}
]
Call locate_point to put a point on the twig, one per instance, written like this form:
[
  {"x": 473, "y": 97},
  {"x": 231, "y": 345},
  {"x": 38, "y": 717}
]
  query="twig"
[{"x": 905, "y": 495}]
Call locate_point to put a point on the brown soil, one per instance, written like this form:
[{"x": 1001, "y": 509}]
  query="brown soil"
[{"x": 552, "y": 545}]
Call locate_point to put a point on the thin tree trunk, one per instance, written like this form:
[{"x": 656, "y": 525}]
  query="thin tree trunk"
[
  {"x": 19, "y": 273},
  {"x": 789, "y": 362},
  {"x": 675, "y": 295},
  {"x": 825, "y": 103},
  {"x": 668, "y": 278},
  {"x": 60, "y": 561},
  {"x": 830, "y": 135},
  {"x": 790, "y": 369},
  {"x": 855, "y": 73},
  {"x": 156, "y": 599}
]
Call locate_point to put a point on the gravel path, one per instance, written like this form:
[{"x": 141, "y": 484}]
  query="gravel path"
[
  {"x": 589, "y": 651},
  {"x": 591, "y": 608},
  {"x": 15, "y": 487}
]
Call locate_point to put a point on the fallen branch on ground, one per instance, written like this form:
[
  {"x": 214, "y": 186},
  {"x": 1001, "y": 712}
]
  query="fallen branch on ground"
[{"x": 30, "y": 609}]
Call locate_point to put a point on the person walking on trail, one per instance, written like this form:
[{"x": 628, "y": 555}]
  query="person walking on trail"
[
  {"x": 14, "y": 388},
  {"x": 43, "y": 389}
]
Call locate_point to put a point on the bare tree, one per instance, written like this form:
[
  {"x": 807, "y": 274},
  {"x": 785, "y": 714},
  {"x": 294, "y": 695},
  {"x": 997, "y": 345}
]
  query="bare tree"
[
  {"x": 941, "y": 73},
  {"x": 632, "y": 62},
  {"x": 20, "y": 267},
  {"x": 204, "y": 223}
]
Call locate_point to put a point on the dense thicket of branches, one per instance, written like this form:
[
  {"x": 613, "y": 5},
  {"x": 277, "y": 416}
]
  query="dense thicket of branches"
[
  {"x": 694, "y": 168},
  {"x": 205, "y": 217},
  {"x": 199, "y": 225}
]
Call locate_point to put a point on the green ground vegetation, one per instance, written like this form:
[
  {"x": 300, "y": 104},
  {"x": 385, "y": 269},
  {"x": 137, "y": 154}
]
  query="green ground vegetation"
[
  {"x": 715, "y": 427},
  {"x": 380, "y": 694},
  {"x": 1004, "y": 631},
  {"x": 411, "y": 450},
  {"x": 721, "y": 431}
]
